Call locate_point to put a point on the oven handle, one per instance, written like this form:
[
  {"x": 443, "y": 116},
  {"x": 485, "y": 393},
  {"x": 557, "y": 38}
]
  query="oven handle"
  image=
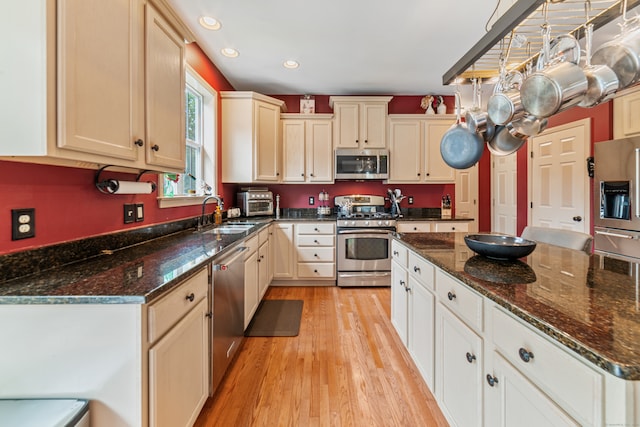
[
  {"x": 608, "y": 233},
  {"x": 365, "y": 231},
  {"x": 365, "y": 274}
]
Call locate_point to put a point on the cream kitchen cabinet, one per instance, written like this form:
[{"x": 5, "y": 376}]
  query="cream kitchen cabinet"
[
  {"x": 399, "y": 292},
  {"x": 283, "y": 251},
  {"x": 316, "y": 250},
  {"x": 625, "y": 113},
  {"x": 413, "y": 226},
  {"x": 360, "y": 121},
  {"x": 414, "y": 149},
  {"x": 119, "y": 94},
  {"x": 179, "y": 359},
  {"x": 250, "y": 137},
  {"x": 251, "y": 280},
  {"x": 432, "y": 226},
  {"x": 265, "y": 269},
  {"x": 449, "y": 226},
  {"x": 307, "y": 150}
]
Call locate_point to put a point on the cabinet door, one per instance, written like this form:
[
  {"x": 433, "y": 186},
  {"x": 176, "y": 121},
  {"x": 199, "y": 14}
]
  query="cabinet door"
[
  {"x": 263, "y": 270},
  {"x": 435, "y": 169},
  {"x": 267, "y": 123},
  {"x": 512, "y": 400},
  {"x": 405, "y": 146},
  {"x": 399, "y": 298},
  {"x": 293, "y": 151},
  {"x": 251, "y": 287},
  {"x": 179, "y": 379},
  {"x": 100, "y": 72},
  {"x": 347, "y": 131},
  {"x": 164, "y": 95},
  {"x": 625, "y": 115},
  {"x": 283, "y": 249},
  {"x": 421, "y": 329},
  {"x": 458, "y": 370},
  {"x": 373, "y": 125},
  {"x": 319, "y": 151}
]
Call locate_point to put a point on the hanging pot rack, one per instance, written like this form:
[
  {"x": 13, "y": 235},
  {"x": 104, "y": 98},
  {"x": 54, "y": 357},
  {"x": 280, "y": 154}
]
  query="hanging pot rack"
[{"x": 525, "y": 18}]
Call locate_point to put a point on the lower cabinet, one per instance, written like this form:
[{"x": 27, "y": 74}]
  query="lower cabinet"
[
  {"x": 178, "y": 333},
  {"x": 458, "y": 369},
  {"x": 513, "y": 400},
  {"x": 178, "y": 371},
  {"x": 282, "y": 250},
  {"x": 487, "y": 367},
  {"x": 432, "y": 226},
  {"x": 257, "y": 272}
]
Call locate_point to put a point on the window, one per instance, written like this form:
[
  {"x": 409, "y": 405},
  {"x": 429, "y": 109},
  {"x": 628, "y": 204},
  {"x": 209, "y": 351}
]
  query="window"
[{"x": 201, "y": 143}]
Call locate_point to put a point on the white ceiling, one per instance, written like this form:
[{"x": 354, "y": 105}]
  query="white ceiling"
[{"x": 344, "y": 47}]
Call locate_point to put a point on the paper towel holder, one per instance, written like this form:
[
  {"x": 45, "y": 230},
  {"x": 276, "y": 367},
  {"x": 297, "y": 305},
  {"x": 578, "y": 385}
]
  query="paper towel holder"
[{"x": 111, "y": 186}]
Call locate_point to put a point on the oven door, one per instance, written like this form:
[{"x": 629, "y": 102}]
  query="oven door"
[{"x": 364, "y": 257}]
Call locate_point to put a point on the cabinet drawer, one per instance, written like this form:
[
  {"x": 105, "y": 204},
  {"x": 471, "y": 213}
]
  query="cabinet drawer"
[
  {"x": 399, "y": 253},
  {"x": 574, "y": 386},
  {"x": 162, "y": 315},
  {"x": 316, "y": 254},
  {"x": 320, "y": 240},
  {"x": 413, "y": 227},
  {"x": 459, "y": 299},
  {"x": 316, "y": 228},
  {"x": 421, "y": 269},
  {"x": 450, "y": 226},
  {"x": 252, "y": 246},
  {"x": 316, "y": 270},
  {"x": 263, "y": 235}
]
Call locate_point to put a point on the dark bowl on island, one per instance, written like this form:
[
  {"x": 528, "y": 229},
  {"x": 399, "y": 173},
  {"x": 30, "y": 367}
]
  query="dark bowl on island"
[{"x": 498, "y": 246}]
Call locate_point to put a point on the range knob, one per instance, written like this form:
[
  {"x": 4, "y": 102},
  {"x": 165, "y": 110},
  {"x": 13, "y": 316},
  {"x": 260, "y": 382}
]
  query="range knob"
[
  {"x": 386, "y": 223},
  {"x": 366, "y": 223},
  {"x": 380, "y": 222},
  {"x": 353, "y": 223}
]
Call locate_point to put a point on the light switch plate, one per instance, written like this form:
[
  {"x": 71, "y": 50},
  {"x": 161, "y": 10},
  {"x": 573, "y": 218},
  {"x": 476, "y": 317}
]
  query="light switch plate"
[{"x": 139, "y": 212}]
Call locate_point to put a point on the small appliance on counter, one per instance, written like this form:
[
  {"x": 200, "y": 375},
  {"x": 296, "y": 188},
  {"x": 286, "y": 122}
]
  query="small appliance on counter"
[{"x": 255, "y": 201}]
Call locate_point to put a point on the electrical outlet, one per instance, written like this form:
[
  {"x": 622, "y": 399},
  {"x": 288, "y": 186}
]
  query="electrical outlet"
[
  {"x": 129, "y": 213},
  {"x": 23, "y": 223},
  {"x": 410, "y": 200},
  {"x": 139, "y": 212},
  {"x": 312, "y": 200}
]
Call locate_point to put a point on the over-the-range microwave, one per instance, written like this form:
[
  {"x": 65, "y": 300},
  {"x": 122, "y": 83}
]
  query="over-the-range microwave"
[{"x": 354, "y": 163}]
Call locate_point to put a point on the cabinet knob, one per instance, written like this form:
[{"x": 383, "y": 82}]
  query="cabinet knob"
[
  {"x": 453, "y": 228},
  {"x": 418, "y": 173},
  {"x": 407, "y": 289},
  {"x": 301, "y": 174},
  {"x": 415, "y": 228},
  {"x": 258, "y": 260},
  {"x": 315, "y": 255},
  {"x": 395, "y": 253},
  {"x": 139, "y": 142},
  {"x": 451, "y": 296},
  {"x": 577, "y": 218},
  {"x": 311, "y": 175},
  {"x": 155, "y": 147},
  {"x": 402, "y": 283},
  {"x": 190, "y": 297},
  {"x": 491, "y": 380},
  {"x": 316, "y": 242},
  {"x": 366, "y": 141},
  {"x": 416, "y": 269},
  {"x": 427, "y": 173},
  {"x": 357, "y": 141},
  {"x": 209, "y": 314},
  {"x": 315, "y": 271},
  {"x": 525, "y": 355},
  {"x": 277, "y": 173},
  {"x": 470, "y": 357},
  {"x": 315, "y": 229},
  {"x": 261, "y": 256}
]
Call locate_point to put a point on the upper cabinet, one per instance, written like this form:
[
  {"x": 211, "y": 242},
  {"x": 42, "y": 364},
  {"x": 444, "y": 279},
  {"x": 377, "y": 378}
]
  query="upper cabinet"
[
  {"x": 414, "y": 149},
  {"x": 625, "y": 113},
  {"x": 250, "y": 137},
  {"x": 119, "y": 94},
  {"x": 360, "y": 121},
  {"x": 307, "y": 151}
]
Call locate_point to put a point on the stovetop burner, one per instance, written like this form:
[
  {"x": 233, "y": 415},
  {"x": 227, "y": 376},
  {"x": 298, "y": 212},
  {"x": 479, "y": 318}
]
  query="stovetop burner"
[{"x": 367, "y": 215}]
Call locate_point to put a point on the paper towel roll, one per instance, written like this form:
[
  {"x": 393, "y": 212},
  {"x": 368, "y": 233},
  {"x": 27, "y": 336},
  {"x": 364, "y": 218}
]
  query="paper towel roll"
[{"x": 129, "y": 187}]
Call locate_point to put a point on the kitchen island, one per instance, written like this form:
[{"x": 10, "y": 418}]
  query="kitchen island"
[{"x": 581, "y": 314}]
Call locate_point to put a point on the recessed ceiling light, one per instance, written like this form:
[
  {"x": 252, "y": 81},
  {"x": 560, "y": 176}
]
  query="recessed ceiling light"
[
  {"x": 210, "y": 23},
  {"x": 230, "y": 52},
  {"x": 291, "y": 64}
]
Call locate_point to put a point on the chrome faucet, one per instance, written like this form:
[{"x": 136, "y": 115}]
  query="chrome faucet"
[{"x": 201, "y": 222}]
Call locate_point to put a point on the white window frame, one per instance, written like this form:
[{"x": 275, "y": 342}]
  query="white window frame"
[{"x": 209, "y": 146}]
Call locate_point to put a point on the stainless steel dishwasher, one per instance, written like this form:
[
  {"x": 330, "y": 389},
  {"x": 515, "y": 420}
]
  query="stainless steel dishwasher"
[{"x": 228, "y": 312}]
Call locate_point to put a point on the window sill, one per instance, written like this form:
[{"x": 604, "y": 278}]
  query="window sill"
[{"x": 177, "y": 201}]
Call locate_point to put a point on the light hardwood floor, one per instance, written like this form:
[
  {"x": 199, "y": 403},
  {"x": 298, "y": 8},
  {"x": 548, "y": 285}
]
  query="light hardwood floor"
[{"x": 347, "y": 367}]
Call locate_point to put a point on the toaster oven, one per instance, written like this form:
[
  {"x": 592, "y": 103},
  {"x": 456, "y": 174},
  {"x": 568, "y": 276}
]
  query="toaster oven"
[{"x": 255, "y": 201}]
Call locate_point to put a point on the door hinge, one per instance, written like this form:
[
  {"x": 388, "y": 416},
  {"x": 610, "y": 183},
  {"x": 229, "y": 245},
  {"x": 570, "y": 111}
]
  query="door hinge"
[
  {"x": 531, "y": 205},
  {"x": 531, "y": 153}
]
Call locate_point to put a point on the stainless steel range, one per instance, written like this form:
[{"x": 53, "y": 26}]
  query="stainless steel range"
[{"x": 364, "y": 241}]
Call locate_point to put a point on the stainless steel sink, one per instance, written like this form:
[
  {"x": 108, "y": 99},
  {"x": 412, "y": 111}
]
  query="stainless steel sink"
[{"x": 229, "y": 229}]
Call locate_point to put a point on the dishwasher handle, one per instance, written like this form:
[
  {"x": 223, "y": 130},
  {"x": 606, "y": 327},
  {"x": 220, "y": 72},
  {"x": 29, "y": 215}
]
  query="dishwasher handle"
[{"x": 224, "y": 264}]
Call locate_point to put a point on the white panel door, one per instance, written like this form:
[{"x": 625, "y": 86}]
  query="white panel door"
[
  {"x": 504, "y": 194},
  {"x": 467, "y": 195},
  {"x": 558, "y": 181}
]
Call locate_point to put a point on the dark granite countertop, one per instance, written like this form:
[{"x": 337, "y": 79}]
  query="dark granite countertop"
[
  {"x": 417, "y": 218},
  {"x": 134, "y": 275},
  {"x": 588, "y": 303}
]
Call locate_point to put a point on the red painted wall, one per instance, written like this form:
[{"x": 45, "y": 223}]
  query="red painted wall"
[
  {"x": 67, "y": 204},
  {"x": 601, "y": 130}
]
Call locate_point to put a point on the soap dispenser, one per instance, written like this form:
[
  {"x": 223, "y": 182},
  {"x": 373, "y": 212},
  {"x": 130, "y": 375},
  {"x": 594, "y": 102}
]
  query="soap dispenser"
[{"x": 218, "y": 215}]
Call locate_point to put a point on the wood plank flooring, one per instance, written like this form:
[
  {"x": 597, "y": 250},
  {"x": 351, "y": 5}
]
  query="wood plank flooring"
[{"x": 347, "y": 367}]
